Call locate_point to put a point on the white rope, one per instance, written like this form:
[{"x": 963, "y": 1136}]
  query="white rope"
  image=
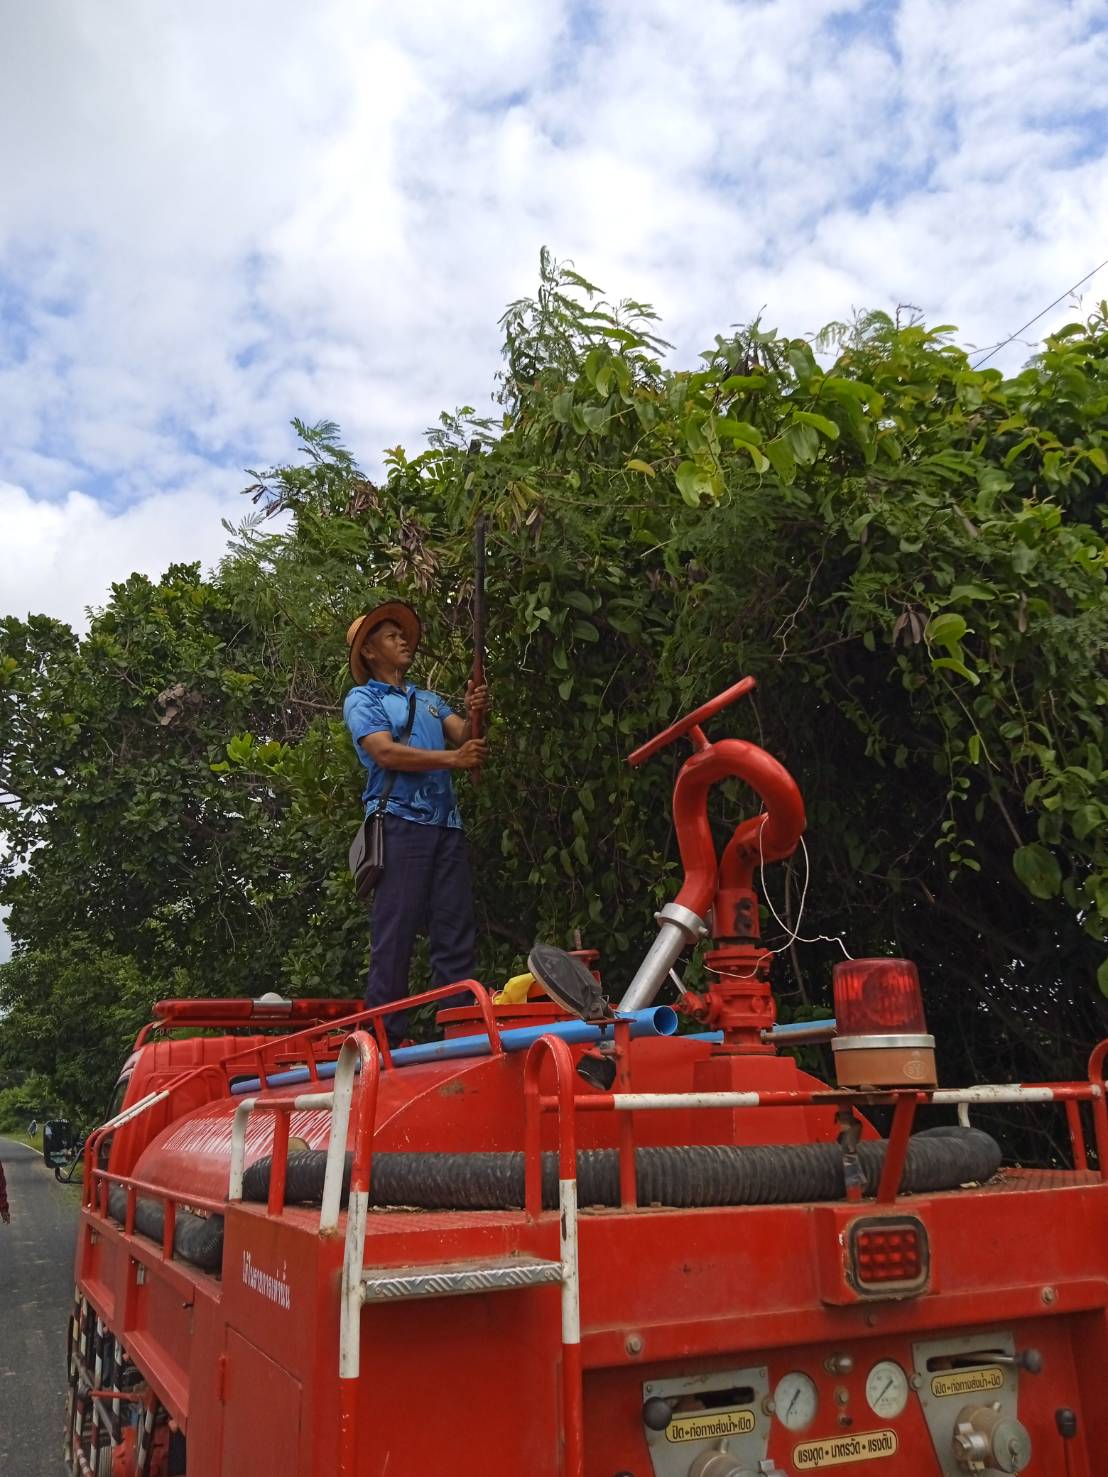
[{"x": 795, "y": 936}]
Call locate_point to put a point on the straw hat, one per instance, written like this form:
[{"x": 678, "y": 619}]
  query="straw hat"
[{"x": 392, "y": 610}]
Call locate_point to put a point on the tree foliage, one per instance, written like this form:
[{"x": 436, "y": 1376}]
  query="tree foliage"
[{"x": 907, "y": 552}]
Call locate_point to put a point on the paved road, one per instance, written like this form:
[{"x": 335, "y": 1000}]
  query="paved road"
[{"x": 36, "y": 1292}]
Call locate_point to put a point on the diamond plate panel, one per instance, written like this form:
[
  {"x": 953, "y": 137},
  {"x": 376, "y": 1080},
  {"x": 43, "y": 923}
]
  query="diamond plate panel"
[{"x": 458, "y": 1279}]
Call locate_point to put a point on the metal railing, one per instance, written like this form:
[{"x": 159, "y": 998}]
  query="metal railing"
[
  {"x": 903, "y": 1101},
  {"x": 315, "y": 1045},
  {"x": 98, "y": 1179},
  {"x": 565, "y": 1103},
  {"x": 359, "y": 1064},
  {"x": 311, "y": 1047}
]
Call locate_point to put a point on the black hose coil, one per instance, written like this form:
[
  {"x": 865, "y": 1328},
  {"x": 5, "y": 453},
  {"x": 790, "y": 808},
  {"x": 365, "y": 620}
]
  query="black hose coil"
[
  {"x": 197, "y": 1239},
  {"x": 684, "y": 1176}
]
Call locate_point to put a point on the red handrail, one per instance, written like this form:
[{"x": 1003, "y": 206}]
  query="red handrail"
[
  {"x": 1099, "y": 1104},
  {"x": 573, "y": 1404},
  {"x": 365, "y": 1114},
  {"x": 375, "y": 1016}
]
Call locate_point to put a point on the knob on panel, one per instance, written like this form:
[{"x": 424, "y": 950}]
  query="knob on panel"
[
  {"x": 657, "y": 1413},
  {"x": 986, "y": 1438},
  {"x": 718, "y": 1464}
]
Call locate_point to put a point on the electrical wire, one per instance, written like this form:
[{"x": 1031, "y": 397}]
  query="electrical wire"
[
  {"x": 1005, "y": 342},
  {"x": 795, "y": 936}
]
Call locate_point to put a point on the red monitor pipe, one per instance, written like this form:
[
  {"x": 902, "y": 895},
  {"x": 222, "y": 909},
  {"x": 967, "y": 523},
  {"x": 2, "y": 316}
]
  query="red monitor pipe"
[
  {"x": 722, "y": 888},
  {"x": 780, "y": 825}
]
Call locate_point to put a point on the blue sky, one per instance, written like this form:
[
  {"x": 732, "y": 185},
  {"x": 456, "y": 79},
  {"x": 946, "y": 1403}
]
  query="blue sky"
[{"x": 217, "y": 217}]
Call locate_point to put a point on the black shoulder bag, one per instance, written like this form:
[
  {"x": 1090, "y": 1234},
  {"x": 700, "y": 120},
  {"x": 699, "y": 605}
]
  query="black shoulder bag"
[{"x": 367, "y": 853}]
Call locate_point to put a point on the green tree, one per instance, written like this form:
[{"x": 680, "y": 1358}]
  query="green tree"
[
  {"x": 69, "y": 1018},
  {"x": 128, "y": 858},
  {"x": 908, "y": 553}
]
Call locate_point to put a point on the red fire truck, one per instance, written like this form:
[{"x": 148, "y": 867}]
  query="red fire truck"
[{"x": 566, "y": 1240}]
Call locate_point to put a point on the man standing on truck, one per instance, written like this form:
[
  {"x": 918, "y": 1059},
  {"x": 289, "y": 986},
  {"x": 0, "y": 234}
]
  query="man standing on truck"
[{"x": 426, "y": 880}]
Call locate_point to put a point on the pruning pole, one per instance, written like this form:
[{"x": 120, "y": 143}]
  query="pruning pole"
[{"x": 477, "y": 671}]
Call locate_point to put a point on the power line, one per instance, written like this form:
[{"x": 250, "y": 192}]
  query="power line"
[{"x": 997, "y": 347}]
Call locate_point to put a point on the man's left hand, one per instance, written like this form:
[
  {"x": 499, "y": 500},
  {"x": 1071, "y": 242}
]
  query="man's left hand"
[{"x": 477, "y": 699}]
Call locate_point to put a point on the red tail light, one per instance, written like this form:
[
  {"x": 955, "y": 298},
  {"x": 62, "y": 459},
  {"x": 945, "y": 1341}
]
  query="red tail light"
[
  {"x": 889, "y": 1255},
  {"x": 878, "y": 997}
]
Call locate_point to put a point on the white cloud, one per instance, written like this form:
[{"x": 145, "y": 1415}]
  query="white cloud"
[
  {"x": 217, "y": 217},
  {"x": 62, "y": 555}
]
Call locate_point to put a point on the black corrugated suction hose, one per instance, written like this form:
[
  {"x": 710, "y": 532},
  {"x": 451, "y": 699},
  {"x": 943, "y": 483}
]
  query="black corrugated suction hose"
[
  {"x": 683, "y": 1176},
  {"x": 197, "y": 1239}
]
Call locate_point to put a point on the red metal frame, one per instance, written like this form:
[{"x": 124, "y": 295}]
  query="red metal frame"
[
  {"x": 360, "y": 1176},
  {"x": 551, "y": 1063},
  {"x": 664, "y": 1290},
  {"x": 573, "y": 1421},
  {"x": 903, "y": 1101}
]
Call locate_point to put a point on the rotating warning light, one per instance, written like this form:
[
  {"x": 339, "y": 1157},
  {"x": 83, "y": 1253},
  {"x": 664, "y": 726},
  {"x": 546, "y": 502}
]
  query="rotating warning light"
[
  {"x": 878, "y": 997},
  {"x": 881, "y": 1038},
  {"x": 888, "y": 1255}
]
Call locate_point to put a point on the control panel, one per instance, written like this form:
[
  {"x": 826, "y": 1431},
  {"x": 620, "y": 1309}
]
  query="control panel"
[
  {"x": 710, "y": 1425},
  {"x": 969, "y": 1391},
  {"x": 985, "y": 1402}
]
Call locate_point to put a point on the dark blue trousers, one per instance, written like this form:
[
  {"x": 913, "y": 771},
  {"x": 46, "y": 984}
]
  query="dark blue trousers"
[{"x": 426, "y": 887}]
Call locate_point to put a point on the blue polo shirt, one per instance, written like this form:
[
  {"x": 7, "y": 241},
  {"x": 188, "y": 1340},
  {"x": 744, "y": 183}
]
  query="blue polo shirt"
[{"x": 376, "y": 707}]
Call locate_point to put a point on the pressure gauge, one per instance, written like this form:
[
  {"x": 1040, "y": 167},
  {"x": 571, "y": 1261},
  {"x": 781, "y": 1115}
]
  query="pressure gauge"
[
  {"x": 795, "y": 1400},
  {"x": 887, "y": 1389}
]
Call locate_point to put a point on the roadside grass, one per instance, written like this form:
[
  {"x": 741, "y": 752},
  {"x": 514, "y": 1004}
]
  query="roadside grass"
[{"x": 32, "y": 1141}]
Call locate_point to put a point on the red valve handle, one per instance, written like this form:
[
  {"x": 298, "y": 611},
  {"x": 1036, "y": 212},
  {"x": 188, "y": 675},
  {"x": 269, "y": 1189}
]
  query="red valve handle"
[{"x": 692, "y": 721}]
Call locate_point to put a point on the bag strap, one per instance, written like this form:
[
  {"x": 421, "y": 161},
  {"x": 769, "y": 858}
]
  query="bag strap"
[{"x": 383, "y": 798}]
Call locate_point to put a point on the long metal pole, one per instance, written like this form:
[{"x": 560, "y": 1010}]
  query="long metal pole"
[{"x": 477, "y": 671}]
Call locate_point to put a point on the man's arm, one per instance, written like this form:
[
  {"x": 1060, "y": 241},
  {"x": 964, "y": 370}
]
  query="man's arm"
[
  {"x": 459, "y": 730},
  {"x": 383, "y": 749}
]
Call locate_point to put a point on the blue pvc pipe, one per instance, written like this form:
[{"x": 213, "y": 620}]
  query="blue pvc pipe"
[{"x": 655, "y": 1020}]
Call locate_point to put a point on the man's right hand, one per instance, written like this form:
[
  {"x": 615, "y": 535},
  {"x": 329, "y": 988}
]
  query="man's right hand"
[{"x": 471, "y": 755}]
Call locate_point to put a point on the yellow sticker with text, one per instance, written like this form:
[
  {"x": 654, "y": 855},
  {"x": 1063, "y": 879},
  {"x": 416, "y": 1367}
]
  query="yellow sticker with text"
[
  {"x": 708, "y": 1425},
  {"x": 968, "y": 1381},
  {"x": 836, "y": 1451}
]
